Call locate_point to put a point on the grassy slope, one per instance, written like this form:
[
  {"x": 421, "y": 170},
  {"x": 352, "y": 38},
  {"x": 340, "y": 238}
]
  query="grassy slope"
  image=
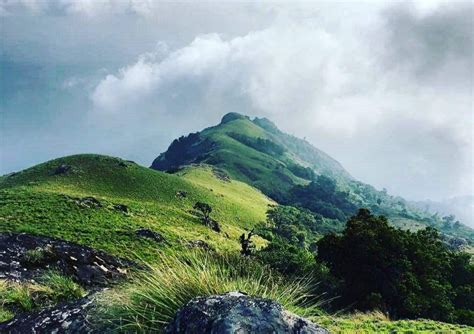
[{"x": 37, "y": 201}]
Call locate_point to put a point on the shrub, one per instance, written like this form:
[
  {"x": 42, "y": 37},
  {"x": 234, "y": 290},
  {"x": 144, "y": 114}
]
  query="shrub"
[{"x": 153, "y": 297}]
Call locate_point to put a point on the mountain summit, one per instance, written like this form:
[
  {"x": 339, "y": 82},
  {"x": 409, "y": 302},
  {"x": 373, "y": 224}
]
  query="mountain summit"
[{"x": 254, "y": 151}]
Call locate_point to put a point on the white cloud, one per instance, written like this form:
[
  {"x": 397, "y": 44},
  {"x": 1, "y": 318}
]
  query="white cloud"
[{"x": 325, "y": 81}]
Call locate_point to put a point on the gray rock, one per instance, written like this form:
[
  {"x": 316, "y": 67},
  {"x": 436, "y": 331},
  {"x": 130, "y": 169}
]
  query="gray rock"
[
  {"x": 87, "y": 266},
  {"x": 200, "y": 244},
  {"x": 235, "y": 312},
  {"x": 64, "y": 318},
  {"x": 146, "y": 233}
]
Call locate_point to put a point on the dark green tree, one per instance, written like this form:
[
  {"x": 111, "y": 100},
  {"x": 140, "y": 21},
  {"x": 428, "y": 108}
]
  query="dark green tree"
[{"x": 404, "y": 273}]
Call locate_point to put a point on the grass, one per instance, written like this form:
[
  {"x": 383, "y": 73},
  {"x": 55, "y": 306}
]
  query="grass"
[
  {"x": 38, "y": 201},
  {"x": 50, "y": 288},
  {"x": 5, "y": 314},
  {"x": 153, "y": 297},
  {"x": 377, "y": 322}
]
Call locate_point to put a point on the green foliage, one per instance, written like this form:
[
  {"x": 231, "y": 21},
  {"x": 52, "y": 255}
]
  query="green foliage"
[
  {"x": 321, "y": 196},
  {"x": 260, "y": 144},
  {"x": 406, "y": 274},
  {"x": 300, "y": 171},
  {"x": 151, "y": 300}
]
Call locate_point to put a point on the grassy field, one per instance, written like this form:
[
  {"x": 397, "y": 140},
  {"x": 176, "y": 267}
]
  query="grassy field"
[{"x": 40, "y": 202}]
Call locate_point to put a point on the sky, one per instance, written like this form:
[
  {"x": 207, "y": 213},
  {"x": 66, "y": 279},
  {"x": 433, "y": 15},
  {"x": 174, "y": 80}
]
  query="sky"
[{"x": 386, "y": 88}]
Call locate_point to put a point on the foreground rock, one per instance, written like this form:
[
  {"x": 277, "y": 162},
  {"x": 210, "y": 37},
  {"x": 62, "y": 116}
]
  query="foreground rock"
[
  {"x": 24, "y": 256},
  {"x": 234, "y": 312},
  {"x": 64, "y": 318}
]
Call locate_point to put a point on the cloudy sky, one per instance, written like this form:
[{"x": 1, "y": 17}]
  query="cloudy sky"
[{"x": 385, "y": 88}]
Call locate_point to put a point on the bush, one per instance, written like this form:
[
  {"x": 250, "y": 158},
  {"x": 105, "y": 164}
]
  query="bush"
[{"x": 153, "y": 297}]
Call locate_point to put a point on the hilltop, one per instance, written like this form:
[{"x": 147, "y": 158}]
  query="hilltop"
[{"x": 47, "y": 199}]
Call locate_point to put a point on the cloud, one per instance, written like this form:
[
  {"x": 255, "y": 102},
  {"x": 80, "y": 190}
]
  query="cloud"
[
  {"x": 331, "y": 84},
  {"x": 386, "y": 89},
  {"x": 436, "y": 48}
]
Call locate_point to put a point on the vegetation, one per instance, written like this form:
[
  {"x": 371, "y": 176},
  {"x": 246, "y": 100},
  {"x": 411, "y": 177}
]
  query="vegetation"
[
  {"x": 38, "y": 201},
  {"x": 50, "y": 288},
  {"x": 205, "y": 210},
  {"x": 152, "y": 298},
  {"x": 406, "y": 274}
]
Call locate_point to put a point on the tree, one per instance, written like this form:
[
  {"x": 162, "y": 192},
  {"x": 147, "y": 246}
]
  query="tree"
[
  {"x": 246, "y": 244},
  {"x": 406, "y": 274},
  {"x": 205, "y": 211}
]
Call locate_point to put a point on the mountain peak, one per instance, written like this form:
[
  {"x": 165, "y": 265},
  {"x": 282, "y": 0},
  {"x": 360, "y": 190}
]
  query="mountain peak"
[{"x": 232, "y": 116}]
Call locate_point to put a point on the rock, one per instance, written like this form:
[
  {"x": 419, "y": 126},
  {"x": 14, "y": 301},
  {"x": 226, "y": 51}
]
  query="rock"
[
  {"x": 89, "y": 202},
  {"x": 63, "y": 318},
  {"x": 24, "y": 256},
  {"x": 199, "y": 244},
  {"x": 121, "y": 207},
  {"x": 221, "y": 174},
  {"x": 181, "y": 194},
  {"x": 146, "y": 233},
  {"x": 235, "y": 312}
]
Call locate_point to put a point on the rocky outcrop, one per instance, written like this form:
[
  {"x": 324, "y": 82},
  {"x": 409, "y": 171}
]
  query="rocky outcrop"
[
  {"x": 201, "y": 244},
  {"x": 149, "y": 234},
  {"x": 64, "y": 318},
  {"x": 235, "y": 312},
  {"x": 24, "y": 256}
]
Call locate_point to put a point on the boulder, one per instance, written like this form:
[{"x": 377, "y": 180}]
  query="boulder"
[
  {"x": 146, "y": 233},
  {"x": 64, "y": 318},
  {"x": 87, "y": 266},
  {"x": 121, "y": 207},
  {"x": 89, "y": 202},
  {"x": 199, "y": 244},
  {"x": 235, "y": 312}
]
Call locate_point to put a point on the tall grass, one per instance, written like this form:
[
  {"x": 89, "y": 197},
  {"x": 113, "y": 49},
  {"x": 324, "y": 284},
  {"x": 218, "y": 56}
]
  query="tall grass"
[
  {"x": 154, "y": 296},
  {"x": 50, "y": 288}
]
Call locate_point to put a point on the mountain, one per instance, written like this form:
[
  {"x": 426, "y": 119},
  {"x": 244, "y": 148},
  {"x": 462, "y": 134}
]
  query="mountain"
[
  {"x": 292, "y": 171},
  {"x": 256, "y": 152}
]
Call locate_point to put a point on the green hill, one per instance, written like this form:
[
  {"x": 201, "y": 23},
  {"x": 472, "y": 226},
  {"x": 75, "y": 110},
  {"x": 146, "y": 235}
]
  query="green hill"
[
  {"x": 282, "y": 166},
  {"x": 48, "y": 200}
]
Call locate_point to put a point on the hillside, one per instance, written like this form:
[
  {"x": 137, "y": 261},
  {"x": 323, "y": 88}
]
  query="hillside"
[
  {"x": 48, "y": 199},
  {"x": 289, "y": 170}
]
